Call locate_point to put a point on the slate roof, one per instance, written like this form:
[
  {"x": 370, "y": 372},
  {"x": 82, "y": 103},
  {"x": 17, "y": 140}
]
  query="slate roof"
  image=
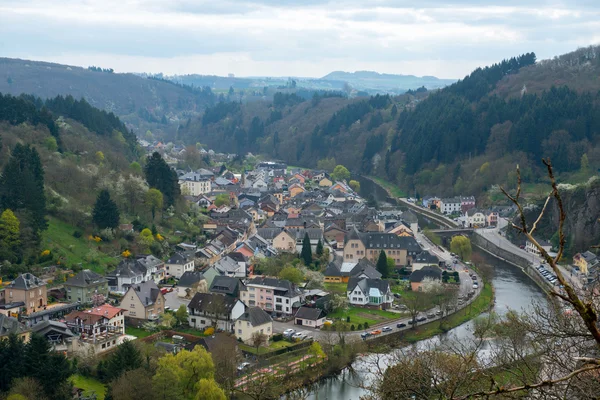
[
  {"x": 86, "y": 278},
  {"x": 150, "y": 261},
  {"x": 378, "y": 240},
  {"x": 312, "y": 314},
  {"x": 339, "y": 268},
  {"x": 366, "y": 284},
  {"x": 409, "y": 216},
  {"x": 256, "y": 316},
  {"x": 203, "y": 301},
  {"x": 52, "y": 327},
  {"x": 26, "y": 281},
  {"x": 426, "y": 272},
  {"x": 226, "y": 285},
  {"x": 147, "y": 292},
  {"x": 279, "y": 284},
  {"x": 10, "y": 325},
  {"x": 127, "y": 268},
  {"x": 426, "y": 257},
  {"x": 227, "y": 264},
  {"x": 190, "y": 278},
  {"x": 178, "y": 258}
]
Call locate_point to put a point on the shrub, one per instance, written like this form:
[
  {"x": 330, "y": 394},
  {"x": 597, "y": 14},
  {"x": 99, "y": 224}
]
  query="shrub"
[
  {"x": 277, "y": 337},
  {"x": 366, "y": 325},
  {"x": 348, "y": 319},
  {"x": 77, "y": 234},
  {"x": 209, "y": 331},
  {"x": 360, "y": 327},
  {"x": 352, "y": 327}
]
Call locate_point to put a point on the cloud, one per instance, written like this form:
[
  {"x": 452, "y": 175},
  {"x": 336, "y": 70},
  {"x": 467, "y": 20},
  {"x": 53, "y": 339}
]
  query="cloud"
[{"x": 293, "y": 37}]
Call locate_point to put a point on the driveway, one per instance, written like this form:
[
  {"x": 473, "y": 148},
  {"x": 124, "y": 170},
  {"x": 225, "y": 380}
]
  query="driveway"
[{"x": 173, "y": 301}]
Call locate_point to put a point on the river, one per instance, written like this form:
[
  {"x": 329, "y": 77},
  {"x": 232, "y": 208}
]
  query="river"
[{"x": 514, "y": 290}]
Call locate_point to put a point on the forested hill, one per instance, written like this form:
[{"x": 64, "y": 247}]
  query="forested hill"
[
  {"x": 460, "y": 139},
  {"x": 142, "y": 102}
]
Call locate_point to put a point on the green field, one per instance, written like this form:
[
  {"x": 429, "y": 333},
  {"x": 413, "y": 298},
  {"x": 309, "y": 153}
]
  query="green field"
[
  {"x": 394, "y": 190},
  {"x": 334, "y": 287},
  {"x": 361, "y": 315},
  {"x": 60, "y": 240},
  {"x": 137, "y": 332},
  {"x": 89, "y": 385},
  {"x": 263, "y": 350}
]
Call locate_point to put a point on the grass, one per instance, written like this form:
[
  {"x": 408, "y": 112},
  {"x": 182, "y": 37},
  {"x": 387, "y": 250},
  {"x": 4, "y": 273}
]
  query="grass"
[
  {"x": 481, "y": 304},
  {"x": 59, "y": 238},
  {"x": 137, "y": 332},
  {"x": 335, "y": 287},
  {"x": 361, "y": 315},
  {"x": 89, "y": 385},
  {"x": 273, "y": 346},
  {"x": 392, "y": 189}
]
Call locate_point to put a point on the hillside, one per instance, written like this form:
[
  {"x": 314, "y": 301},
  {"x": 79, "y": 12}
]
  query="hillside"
[
  {"x": 370, "y": 80},
  {"x": 140, "y": 102}
]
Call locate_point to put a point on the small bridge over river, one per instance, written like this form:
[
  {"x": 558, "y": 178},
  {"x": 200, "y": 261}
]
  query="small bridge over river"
[{"x": 453, "y": 231}]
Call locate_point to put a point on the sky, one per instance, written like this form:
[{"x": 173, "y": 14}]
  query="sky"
[{"x": 305, "y": 38}]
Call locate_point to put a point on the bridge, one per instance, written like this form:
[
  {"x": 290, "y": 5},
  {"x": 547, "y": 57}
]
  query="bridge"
[{"x": 451, "y": 231}]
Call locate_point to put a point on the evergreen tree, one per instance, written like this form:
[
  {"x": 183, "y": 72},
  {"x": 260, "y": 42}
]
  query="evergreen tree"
[
  {"x": 320, "y": 248},
  {"x": 382, "y": 265},
  {"x": 51, "y": 370},
  {"x": 106, "y": 212},
  {"x": 306, "y": 254},
  {"x": 160, "y": 176},
  {"x": 9, "y": 236},
  {"x": 127, "y": 357}
]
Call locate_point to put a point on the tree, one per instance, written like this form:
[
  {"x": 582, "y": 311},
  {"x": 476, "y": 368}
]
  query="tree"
[
  {"x": 9, "y": 236},
  {"x": 221, "y": 200},
  {"x": 340, "y": 173},
  {"x": 146, "y": 237},
  {"x": 182, "y": 315},
  {"x": 160, "y": 176},
  {"x": 415, "y": 302},
  {"x": 585, "y": 163},
  {"x": 355, "y": 185},
  {"x": 135, "y": 384},
  {"x": 126, "y": 357},
  {"x": 258, "y": 339},
  {"x": 51, "y": 370},
  {"x": 168, "y": 320},
  {"x": 105, "y": 213},
  {"x": 291, "y": 274},
  {"x": 207, "y": 389},
  {"x": 99, "y": 157},
  {"x": 154, "y": 201},
  {"x": 382, "y": 265},
  {"x": 306, "y": 253},
  {"x": 319, "y": 249},
  {"x": 136, "y": 168},
  {"x": 338, "y": 303},
  {"x": 461, "y": 245},
  {"x": 327, "y": 164},
  {"x": 26, "y": 389}
]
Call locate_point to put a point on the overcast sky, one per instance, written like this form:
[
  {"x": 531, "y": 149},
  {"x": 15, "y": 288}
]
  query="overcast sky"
[{"x": 293, "y": 37}]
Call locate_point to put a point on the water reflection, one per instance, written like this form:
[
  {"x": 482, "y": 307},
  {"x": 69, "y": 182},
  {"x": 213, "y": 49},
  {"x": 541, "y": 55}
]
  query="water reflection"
[{"x": 514, "y": 291}]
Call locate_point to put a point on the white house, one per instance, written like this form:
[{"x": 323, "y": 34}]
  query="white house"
[
  {"x": 369, "y": 292},
  {"x": 311, "y": 317},
  {"x": 194, "y": 184},
  {"x": 476, "y": 218},
  {"x": 253, "y": 320},
  {"x": 178, "y": 264},
  {"x": 217, "y": 310},
  {"x": 272, "y": 295},
  {"x": 530, "y": 248},
  {"x": 450, "y": 205},
  {"x": 227, "y": 266}
]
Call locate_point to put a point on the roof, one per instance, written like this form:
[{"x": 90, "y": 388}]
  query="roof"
[
  {"x": 409, "y": 216},
  {"x": 426, "y": 272},
  {"x": 51, "y": 327},
  {"x": 366, "y": 285},
  {"x": 227, "y": 264},
  {"x": 279, "y": 284},
  {"x": 204, "y": 302},
  {"x": 312, "y": 314},
  {"x": 10, "y": 325},
  {"x": 105, "y": 310},
  {"x": 426, "y": 257},
  {"x": 225, "y": 285},
  {"x": 256, "y": 316},
  {"x": 86, "y": 278},
  {"x": 147, "y": 292},
  {"x": 190, "y": 278},
  {"x": 26, "y": 281},
  {"x": 178, "y": 258},
  {"x": 86, "y": 318}
]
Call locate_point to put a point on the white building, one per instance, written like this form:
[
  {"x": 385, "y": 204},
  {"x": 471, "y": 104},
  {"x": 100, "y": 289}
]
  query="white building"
[
  {"x": 476, "y": 218},
  {"x": 194, "y": 184},
  {"x": 450, "y": 205},
  {"x": 272, "y": 295},
  {"x": 252, "y": 321},
  {"x": 213, "y": 309},
  {"x": 530, "y": 248},
  {"x": 369, "y": 292},
  {"x": 178, "y": 264}
]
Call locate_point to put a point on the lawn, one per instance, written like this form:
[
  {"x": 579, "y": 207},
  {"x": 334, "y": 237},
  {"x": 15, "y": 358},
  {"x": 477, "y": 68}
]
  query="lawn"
[
  {"x": 361, "y": 315},
  {"x": 394, "y": 190},
  {"x": 59, "y": 238},
  {"x": 89, "y": 385},
  {"x": 334, "y": 287},
  {"x": 137, "y": 332},
  {"x": 263, "y": 350},
  {"x": 480, "y": 305}
]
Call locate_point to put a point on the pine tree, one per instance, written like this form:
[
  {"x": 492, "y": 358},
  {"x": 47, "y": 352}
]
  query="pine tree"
[
  {"x": 106, "y": 212},
  {"x": 382, "y": 266},
  {"x": 127, "y": 357},
  {"x": 306, "y": 253},
  {"x": 160, "y": 176},
  {"x": 320, "y": 248}
]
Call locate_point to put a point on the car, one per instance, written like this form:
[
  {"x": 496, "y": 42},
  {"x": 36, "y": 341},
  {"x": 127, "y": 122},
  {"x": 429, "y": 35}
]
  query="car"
[
  {"x": 376, "y": 332},
  {"x": 167, "y": 308},
  {"x": 475, "y": 286},
  {"x": 410, "y": 322},
  {"x": 365, "y": 335},
  {"x": 289, "y": 332},
  {"x": 438, "y": 312},
  {"x": 431, "y": 315},
  {"x": 461, "y": 302},
  {"x": 164, "y": 290},
  {"x": 401, "y": 325},
  {"x": 386, "y": 329},
  {"x": 422, "y": 318},
  {"x": 397, "y": 295},
  {"x": 522, "y": 246},
  {"x": 243, "y": 366}
]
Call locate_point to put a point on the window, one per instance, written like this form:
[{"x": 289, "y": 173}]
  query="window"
[
  {"x": 248, "y": 324},
  {"x": 239, "y": 331},
  {"x": 132, "y": 305},
  {"x": 203, "y": 322},
  {"x": 287, "y": 301},
  {"x": 251, "y": 289}
]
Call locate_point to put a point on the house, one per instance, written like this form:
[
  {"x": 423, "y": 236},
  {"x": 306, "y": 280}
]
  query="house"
[
  {"x": 12, "y": 326},
  {"x": 252, "y": 321},
  {"x": 194, "y": 184},
  {"x": 372, "y": 293},
  {"x": 340, "y": 271},
  {"x": 178, "y": 264},
  {"x": 285, "y": 241},
  {"x": 27, "y": 289},
  {"x": 586, "y": 261},
  {"x": 424, "y": 259},
  {"x": 334, "y": 235},
  {"x": 97, "y": 332},
  {"x": 85, "y": 285},
  {"x": 114, "y": 316},
  {"x": 311, "y": 317},
  {"x": 466, "y": 203},
  {"x": 127, "y": 273},
  {"x": 399, "y": 248},
  {"x": 212, "y": 309},
  {"x": 401, "y": 229},
  {"x": 296, "y": 189},
  {"x": 227, "y": 266},
  {"x": 143, "y": 301},
  {"x": 325, "y": 182},
  {"x": 272, "y": 295},
  {"x": 154, "y": 266},
  {"x": 492, "y": 218},
  {"x": 56, "y": 333},
  {"x": 450, "y": 205},
  {"x": 190, "y": 283},
  {"x": 226, "y": 285},
  {"x": 475, "y": 218},
  {"x": 410, "y": 218},
  {"x": 530, "y": 247},
  {"x": 417, "y": 277}
]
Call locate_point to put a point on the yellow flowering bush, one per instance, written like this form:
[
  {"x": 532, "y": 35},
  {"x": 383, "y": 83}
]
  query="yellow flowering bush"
[
  {"x": 126, "y": 254},
  {"x": 45, "y": 253},
  {"x": 209, "y": 331},
  {"x": 159, "y": 237}
]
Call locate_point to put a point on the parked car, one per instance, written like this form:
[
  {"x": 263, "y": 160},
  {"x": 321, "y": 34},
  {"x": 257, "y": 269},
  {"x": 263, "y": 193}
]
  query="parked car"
[
  {"x": 365, "y": 335},
  {"x": 299, "y": 336},
  {"x": 430, "y": 315},
  {"x": 522, "y": 246},
  {"x": 397, "y": 295},
  {"x": 401, "y": 325},
  {"x": 386, "y": 329},
  {"x": 475, "y": 286},
  {"x": 438, "y": 312},
  {"x": 422, "y": 318},
  {"x": 410, "y": 322},
  {"x": 289, "y": 332},
  {"x": 376, "y": 332},
  {"x": 243, "y": 366}
]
